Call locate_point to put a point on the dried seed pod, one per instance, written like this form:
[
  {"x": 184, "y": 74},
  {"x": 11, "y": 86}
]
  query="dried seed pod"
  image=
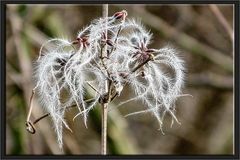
[{"x": 121, "y": 14}]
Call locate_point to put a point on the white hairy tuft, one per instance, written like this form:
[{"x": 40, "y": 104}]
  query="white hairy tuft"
[{"x": 63, "y": 71}]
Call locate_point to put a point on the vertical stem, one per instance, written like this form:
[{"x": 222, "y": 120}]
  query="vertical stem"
[
  {"x": 104, "y": 105},
  {"x": 104, "y": 129},
  {"x": 30, "y": 106},
  {"x": 105, "y": 11}
]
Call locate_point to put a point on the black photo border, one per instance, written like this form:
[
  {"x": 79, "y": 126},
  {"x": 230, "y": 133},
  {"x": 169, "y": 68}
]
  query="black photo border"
[{"x": 3, "y": 80}]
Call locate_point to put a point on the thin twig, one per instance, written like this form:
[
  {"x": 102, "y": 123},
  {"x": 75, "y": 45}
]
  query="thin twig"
[
  {"x": 90, "y": 85},
  {"x": 40, "y": 118},
  {"x": 142, "y": 64},
  {"x": 30, "y": 105},
  {"x": 30, "y": 125},
  {"x": 104, "y": 105}
]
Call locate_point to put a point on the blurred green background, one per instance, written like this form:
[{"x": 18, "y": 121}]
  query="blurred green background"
[{"x": 202, "y": 34}]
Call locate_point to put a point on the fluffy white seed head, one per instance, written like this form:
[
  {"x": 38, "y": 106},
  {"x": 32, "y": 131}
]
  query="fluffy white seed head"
[{"x": 63, "y": 71}]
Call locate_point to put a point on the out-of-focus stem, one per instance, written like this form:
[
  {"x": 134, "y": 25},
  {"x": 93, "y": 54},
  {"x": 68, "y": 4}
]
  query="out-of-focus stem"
[{"x": 214, "y": 8}]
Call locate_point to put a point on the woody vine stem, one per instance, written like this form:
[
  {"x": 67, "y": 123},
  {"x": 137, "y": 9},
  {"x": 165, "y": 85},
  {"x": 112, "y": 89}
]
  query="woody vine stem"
[{"x": 107, "y": 83}]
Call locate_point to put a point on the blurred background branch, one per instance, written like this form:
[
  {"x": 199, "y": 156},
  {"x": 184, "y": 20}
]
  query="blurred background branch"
[
  {"x": 211, "y": 80},
  {"x": 222, "y": 20}
]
